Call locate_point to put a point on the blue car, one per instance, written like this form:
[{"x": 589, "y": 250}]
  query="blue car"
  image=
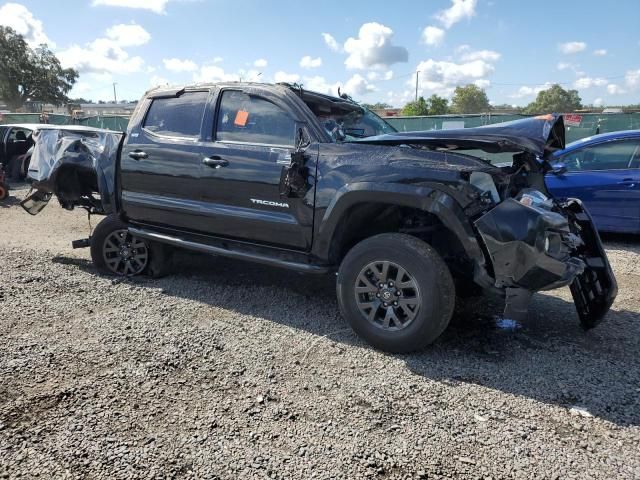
[{"x": 604, "y": 172}]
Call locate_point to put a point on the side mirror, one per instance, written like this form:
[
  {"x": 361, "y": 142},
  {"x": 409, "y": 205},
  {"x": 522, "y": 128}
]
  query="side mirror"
[
  {"x": 293, "y": 179},
  {"x": 559, "y": 168}
]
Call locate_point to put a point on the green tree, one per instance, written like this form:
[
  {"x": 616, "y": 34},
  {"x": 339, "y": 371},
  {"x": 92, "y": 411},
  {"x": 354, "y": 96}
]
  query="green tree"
[
  {"x": 555, "y": 99},
  {"x": 31, "y": 73},
  {"x": 469, "y": 99},
  {"x": 438, "y": 105},
  {"x": 417, "y": 108}
]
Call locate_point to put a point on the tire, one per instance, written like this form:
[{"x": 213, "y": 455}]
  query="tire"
[
  {"x": 115, "y": 251},
  {"x": 416, "y": 279},
  {"x": 4, "y": 190}
]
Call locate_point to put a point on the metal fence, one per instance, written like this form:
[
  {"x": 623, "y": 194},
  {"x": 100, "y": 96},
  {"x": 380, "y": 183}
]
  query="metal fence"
[
  {"x": 577, "y": 125},
  {"x": 110, "y": 122}
]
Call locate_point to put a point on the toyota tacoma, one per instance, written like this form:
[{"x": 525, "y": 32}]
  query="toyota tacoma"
[{"x": 277, "y": 174}]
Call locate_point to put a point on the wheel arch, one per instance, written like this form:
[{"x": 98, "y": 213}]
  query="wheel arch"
[{"x": 356, "y": 204}]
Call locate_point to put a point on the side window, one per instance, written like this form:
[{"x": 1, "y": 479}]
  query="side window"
[
  {"x": 608, "y": 156},
  {"x": 177, "y": 117},
  {"x": 251, "y": 119}
]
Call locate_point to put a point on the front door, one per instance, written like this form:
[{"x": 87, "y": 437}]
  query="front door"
[
  {"x": 161, "y": 163},
  {"x": 606, "y": 178},
  {"x": 243, "y": 164}
]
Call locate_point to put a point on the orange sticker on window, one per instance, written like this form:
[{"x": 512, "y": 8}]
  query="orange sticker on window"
[{"x": 241, "y": 118}]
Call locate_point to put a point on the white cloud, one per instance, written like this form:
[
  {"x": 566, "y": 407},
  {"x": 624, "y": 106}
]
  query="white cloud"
[
  {"x": 572, "y": 47},
  {"x": 156, "y": 6},
  {"x": 443, "y": 76},
  {"x": 100, "y": 56},
  {"x": 106, "y": 54},
  {"x": 19, "y": 18},
  {"x": 598, "y": 102},
  {"x": 331, "y": 42},
  {"x": 565, "y": 66},
  {"x": 308, "y": 62},
  {"x": 260, "y": 63},
  {"x": 486, "y": 55},
  {"x": 178, "y": 65},
  {"x": 320, "y": 84},
  {"x": 632, "y": 78},
  {"x": 373, "y": 48},
  {"x": 131, "y": 35},
  {"x": 357, "y": 85},
  {"x": 286, "y": 77},
  {"x": 432, "y": 35},
  {"x": 588, "y": 82},
  {"x": 156, "y": 80},
  {"x": 526, "y": 91},
  {"x": 601, "y": 52},
  {"x": 482, "y": 83},
  {"x": 614, "y": 89},
  {"x": 459, "y": 10},
  {"x": 213, "y": 73}
]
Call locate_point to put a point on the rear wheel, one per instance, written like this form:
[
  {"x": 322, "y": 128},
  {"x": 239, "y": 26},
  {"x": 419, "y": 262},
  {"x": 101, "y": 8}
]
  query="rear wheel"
[
  {"x": 115, "y": 251},
  {"x": 396, "y": 292}
]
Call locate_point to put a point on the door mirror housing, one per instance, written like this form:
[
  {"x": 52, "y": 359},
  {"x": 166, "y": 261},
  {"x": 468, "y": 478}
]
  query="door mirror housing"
[
  {"x": 559, "y": 168},
  {"x": 293, "y": 180}
]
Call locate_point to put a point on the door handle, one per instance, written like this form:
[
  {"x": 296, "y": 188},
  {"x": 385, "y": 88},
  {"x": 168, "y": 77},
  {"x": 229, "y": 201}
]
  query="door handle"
[
  {"x": 628, "y": 182},
  {"x": 215, "y": 162},
  {"x": 138, "y": 155}
]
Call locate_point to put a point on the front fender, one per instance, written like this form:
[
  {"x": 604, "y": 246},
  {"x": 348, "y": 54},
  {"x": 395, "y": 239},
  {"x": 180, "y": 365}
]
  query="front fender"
[{"x": 427, "y": 198}]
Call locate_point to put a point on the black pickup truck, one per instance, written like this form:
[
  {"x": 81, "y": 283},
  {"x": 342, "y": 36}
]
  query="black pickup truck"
[{"x": 408, "y": 221}]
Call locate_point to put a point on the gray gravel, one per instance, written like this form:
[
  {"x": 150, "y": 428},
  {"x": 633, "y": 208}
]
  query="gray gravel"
[{"x": 232, "y": 370}]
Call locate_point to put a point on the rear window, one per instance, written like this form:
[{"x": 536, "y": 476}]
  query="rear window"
[{"x": 177, "y": 117}]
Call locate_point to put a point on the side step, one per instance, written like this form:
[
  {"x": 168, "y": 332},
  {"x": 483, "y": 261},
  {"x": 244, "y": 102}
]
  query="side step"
[{"x": 225, "y": 251}]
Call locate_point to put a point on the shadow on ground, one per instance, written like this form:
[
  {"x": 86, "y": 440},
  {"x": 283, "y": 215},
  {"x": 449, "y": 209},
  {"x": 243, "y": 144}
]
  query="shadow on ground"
[{"x": 549, "y": 358}]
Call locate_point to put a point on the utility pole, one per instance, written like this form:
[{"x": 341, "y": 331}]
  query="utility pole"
[
  {"x": 417, "y": 73},
  {"x": 115, "y": 98}
]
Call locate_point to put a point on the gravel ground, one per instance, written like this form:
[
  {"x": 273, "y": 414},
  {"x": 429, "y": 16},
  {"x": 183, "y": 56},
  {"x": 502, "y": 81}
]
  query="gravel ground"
[{"x": 231, "y": 370}]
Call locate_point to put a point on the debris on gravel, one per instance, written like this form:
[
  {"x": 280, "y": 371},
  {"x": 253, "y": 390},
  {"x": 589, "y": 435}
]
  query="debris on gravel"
[{"x": 227, "y": 370}]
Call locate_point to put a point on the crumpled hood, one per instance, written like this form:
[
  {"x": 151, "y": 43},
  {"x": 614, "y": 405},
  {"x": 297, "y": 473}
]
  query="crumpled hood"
[{"x": 540, "y": 136}]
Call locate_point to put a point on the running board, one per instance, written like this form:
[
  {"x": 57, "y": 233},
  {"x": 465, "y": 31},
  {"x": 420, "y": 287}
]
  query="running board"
[{"x": 226, "y": 252}]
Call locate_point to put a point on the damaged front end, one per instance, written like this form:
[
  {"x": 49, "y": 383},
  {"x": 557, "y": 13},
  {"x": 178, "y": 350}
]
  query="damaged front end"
[
  {"x": 542, "y": 245},
  {"x": 77, "y": 165},
  {"x": 531, "y": 242},
  {"x": 537, "y": 243}
]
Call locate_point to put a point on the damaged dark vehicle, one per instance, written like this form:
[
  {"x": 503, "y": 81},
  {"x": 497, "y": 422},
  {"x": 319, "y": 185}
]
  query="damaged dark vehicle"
[{"x": 409, "y": 221}]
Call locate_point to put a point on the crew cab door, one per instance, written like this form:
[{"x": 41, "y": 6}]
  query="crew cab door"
[
  {"x": 251, "y": 145},
  {"x": 606, "y": 177},
  {"x": 161, "y": 162}
]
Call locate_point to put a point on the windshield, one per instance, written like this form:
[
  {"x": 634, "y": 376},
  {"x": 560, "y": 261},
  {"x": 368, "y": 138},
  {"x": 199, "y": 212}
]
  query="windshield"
[{"x": 350, "y": 125}]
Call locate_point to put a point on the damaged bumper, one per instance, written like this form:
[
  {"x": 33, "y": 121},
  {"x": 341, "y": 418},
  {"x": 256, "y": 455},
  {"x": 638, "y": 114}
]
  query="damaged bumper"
[
  {"x": 74, "y": 163},
  {"x": 533, "y": 249}
]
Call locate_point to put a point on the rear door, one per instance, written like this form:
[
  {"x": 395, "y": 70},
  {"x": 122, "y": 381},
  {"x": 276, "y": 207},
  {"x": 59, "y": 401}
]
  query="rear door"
[
  {"x": 253, "y": 137},
  {"x": 161, "y": 162},
  {"x": 606, "y": 177}
]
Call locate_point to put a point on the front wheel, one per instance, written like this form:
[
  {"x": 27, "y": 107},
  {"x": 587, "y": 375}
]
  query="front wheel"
[
  {"x": 396, "y": 292},
  {"x": 115, "y": 251}
]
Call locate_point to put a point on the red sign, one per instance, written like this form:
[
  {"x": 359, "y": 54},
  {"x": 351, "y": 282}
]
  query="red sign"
[{"x": 572, "y": 120}]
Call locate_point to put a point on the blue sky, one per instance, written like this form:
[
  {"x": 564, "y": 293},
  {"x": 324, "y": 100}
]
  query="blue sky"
[{"x": 371, "y": 49}]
